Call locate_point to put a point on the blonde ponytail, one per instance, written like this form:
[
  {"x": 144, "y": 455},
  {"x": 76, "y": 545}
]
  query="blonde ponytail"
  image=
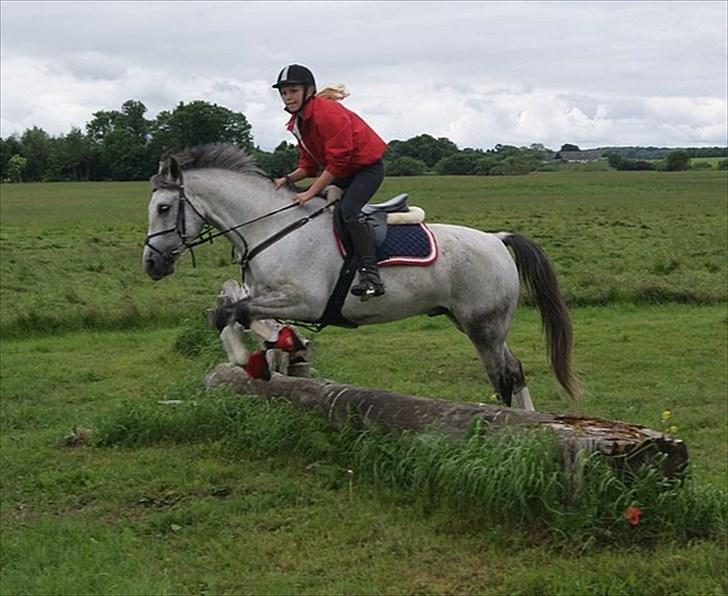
[{"x": 335, "y": 92}]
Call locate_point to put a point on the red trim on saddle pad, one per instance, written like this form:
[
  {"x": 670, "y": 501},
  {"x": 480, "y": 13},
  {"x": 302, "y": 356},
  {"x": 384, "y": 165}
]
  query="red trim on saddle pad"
[{"x": 403, "y": 259}]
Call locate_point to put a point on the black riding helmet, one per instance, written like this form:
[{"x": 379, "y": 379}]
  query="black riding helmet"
[{"x": 295, "y": 74}]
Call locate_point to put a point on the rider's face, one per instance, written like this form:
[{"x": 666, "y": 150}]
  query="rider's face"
[{"x": 292, "y": 96}]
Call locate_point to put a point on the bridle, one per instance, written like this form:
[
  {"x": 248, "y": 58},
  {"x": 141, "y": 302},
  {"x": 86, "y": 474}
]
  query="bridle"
[
  {"x": 180, "y": 228},
  {"x": 206, "y": 233}
]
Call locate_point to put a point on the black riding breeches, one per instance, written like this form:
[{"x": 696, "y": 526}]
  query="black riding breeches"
[{"x": 358, "y": 189}]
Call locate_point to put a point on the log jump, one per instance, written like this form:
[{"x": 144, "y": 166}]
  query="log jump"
[{"x": 622, "y": 443}]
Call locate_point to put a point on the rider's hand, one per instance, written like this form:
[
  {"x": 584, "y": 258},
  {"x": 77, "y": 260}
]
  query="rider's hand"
[
  {"x": 280, "y": 182},
  {"x": 303, "y": 197}
]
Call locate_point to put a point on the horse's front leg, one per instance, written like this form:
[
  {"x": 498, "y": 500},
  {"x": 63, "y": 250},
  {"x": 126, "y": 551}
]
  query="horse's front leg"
[{"x": 283, "y": 303}]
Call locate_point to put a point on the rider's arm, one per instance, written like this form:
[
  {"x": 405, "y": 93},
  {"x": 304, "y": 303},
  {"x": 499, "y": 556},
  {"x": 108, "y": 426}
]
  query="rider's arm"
[
  {"x": 294, "y": 176},
  {"x": 321, "y": 182}
]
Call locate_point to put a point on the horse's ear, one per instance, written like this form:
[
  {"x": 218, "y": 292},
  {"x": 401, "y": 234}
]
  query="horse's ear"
[{"x": 174, "y": 170}]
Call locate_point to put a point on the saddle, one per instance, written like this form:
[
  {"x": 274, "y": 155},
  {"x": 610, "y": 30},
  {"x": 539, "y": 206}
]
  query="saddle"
[
  {"x": 380, "y": 216},
  {"x": 409, "y": 242}
]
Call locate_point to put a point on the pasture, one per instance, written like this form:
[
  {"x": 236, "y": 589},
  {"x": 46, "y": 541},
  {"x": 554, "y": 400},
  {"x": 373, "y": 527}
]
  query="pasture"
[
  {"x": 712, "y": 161},
  {"x": 642, "y": 260}
]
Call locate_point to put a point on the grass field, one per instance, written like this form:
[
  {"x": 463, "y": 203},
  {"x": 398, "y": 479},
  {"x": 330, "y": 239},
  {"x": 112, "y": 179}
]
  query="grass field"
[
  {"x": 713, "y": 161},
  {"x": 641, "y": 256},
  {"x": 71, "y": 252}
]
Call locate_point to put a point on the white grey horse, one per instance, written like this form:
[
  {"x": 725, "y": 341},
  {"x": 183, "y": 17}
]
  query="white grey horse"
[{"x": 474, "y": 281}]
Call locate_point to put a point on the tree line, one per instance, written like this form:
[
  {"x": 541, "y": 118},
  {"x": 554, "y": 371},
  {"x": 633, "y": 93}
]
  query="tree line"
[
  {"x": 119, "y": 144},
  {"x": 124, "y": 144},
  {"x": 677, "y": 160}
]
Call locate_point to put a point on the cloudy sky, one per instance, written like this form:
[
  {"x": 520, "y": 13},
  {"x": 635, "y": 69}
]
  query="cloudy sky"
[{"x": 479, "y": 73}]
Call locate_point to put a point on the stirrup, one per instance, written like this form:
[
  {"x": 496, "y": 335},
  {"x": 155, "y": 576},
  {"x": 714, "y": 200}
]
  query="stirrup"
[{"x": 369, "y": 285}]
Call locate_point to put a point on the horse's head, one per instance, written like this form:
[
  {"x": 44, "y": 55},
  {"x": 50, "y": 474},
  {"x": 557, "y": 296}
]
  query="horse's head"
[{"x": 174, "y": 222}]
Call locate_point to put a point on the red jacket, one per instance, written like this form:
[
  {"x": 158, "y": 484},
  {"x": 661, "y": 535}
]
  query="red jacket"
[{"x": 333, "y": 138}]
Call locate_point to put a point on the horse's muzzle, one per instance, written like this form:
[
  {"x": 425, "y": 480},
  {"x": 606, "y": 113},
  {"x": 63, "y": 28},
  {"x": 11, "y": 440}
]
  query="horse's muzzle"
[{"x": 156, "y": 265}]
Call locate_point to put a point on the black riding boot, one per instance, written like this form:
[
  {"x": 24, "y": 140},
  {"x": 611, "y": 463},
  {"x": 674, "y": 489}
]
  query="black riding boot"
[{"x": 362, "y": 238}]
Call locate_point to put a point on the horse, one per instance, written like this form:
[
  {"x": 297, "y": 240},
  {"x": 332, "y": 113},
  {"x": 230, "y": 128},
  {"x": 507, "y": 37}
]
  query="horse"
[{"x": 294, "y": 264}]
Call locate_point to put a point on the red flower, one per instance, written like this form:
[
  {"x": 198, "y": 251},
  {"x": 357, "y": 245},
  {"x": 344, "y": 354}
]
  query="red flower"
[{"x": 633, "y": 515}]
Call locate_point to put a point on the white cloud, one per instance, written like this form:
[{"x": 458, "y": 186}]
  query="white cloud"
[
  {"x": 480, "y": 73},
  {"x": 92, "y": 66}
]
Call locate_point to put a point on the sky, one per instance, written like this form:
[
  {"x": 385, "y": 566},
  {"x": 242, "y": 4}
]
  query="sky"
[{"x": 479, "y": 73}]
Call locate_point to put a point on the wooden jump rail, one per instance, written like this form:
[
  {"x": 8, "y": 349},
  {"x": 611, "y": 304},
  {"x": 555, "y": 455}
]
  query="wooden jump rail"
[{"x": 623, "y": 443}]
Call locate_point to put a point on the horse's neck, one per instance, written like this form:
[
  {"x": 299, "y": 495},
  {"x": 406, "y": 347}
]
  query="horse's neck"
[{"x": 229, "y": 199}]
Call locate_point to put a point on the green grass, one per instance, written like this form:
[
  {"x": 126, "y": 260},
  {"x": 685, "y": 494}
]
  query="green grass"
[
  {"x": 220, "y": 516},
  {"x": 712, "y": 161},
  {"x": 245, "y": 516},
  {"x": 71, "y": 251},
  {"x": 635, "y": 362},
  {"x": 88, "y": 340},
  {"x": 515, "y": 477}
]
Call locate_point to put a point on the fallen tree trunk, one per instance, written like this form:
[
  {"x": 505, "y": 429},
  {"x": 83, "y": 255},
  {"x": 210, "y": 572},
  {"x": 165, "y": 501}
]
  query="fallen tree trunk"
[{"x": 625, "y": 444}]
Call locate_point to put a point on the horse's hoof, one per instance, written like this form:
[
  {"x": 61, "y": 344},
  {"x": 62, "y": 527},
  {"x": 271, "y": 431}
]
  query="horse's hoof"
[
  {"x": 222, "y": 317},
  {"x": 242, "y": 314}
]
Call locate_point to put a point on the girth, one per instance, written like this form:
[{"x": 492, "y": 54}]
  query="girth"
[{"x": 332, "y": 313}]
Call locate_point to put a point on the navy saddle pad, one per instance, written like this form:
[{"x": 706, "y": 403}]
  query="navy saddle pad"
[{"x": 405, "y": 244}]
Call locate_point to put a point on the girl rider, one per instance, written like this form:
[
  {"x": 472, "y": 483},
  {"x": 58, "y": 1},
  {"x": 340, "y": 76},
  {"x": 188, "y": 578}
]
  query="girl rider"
[{"x": 336, "y": 145}]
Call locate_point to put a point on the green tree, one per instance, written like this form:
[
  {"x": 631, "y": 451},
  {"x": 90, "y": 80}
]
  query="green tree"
[
  {"x": 8, "y": 147},
  {"x": 198, "y": 123},
  {"x": 613, "y": 159},
  {"x": 133, "y": 119},
  {"x": 677, "y": 161},
  {"x": 36, "y": 148},
  {"x": 459, "y": 164},
  {"x": 513, "y": 165},
  {"x": 484, "y": 165},
  {"x": 15, "y": 166},
  {"x": 406, "y": 166},
  {"x": 279, "y": 163},
  {"x": 119, "y": 143},
  {"x": 69, "y": 157},
  {"x": 423, "y": 147},
  {"x": 503, "y": 151},
  {"x": 569, "y": 147}
]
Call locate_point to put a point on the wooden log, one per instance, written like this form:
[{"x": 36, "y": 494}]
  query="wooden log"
[{"x": 625, "y": 444}]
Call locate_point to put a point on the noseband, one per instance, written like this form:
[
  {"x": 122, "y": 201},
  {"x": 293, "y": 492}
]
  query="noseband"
[{"x": 180, "y": 228}]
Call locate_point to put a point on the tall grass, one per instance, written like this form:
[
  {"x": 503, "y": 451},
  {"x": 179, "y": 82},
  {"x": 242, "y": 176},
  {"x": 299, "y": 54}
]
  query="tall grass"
[
  {"x": 130, "y": 316},
  {"x": 516, "y": 479}
]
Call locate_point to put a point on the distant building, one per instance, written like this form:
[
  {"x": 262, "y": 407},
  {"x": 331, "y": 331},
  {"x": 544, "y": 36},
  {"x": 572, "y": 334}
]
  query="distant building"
[{"x": 579, "y": 156}]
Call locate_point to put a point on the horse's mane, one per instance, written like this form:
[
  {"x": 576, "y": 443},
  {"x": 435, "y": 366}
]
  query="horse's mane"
[{"x": 224, "y": 156}]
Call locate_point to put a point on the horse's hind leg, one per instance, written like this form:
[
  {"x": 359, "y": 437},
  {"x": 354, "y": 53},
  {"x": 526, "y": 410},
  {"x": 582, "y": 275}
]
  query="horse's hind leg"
[
  {"x": 514, "y": 369},
  {"x": 489, "y": 342},
  {"x": 503, "y": 368}
]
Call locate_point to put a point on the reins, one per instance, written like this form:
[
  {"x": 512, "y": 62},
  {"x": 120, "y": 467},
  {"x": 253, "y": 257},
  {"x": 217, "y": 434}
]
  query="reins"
[
  {"x": 292, "y": 227},
  {"x": 206, "y": 235},
  {"x": 210, "y": 237}
]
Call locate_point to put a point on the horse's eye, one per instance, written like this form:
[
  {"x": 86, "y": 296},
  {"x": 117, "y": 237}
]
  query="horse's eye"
[{"x": 162, "y": 209}]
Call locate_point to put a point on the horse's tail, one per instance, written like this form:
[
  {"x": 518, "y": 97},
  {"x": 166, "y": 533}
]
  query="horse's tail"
[{"x": 539, "y": 277}]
